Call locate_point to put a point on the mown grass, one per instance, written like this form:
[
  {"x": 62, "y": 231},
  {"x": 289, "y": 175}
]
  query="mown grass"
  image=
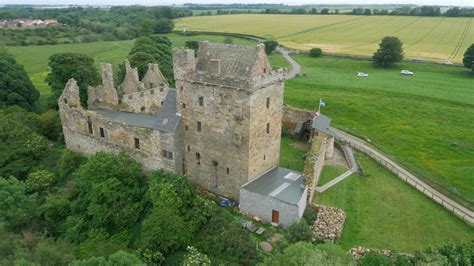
[
  {"x": 432, "y": 38},
  {"x": 330, "y": 172},
  {"x": 424, "y": 121},
  {"x": 35, "y": 58},
  {"x": 291, "y": 155},
  {"x": 384, "y": 212}
]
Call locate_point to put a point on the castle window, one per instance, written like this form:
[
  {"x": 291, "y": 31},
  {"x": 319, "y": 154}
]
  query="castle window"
[
  {"x": 198, "y": 158},
  {"x": 142, "y": 109},
  {"x": 201, "y": 101},
  {"x": 264, "y": 157},
  {"x": 164, "y": 153},
  {"x": 137, "y": 143},
  {"x": 268, "y": 127},
  {"x": 162, "y": 89},
  {"x": 151, "y": 84},
  {"x": 268, "y": 102},
  {"x": 141, "y": 94},
  {"x": 185, "y": 127},
  {"x": 161, "y": 103},
  {"x": 184, "y": 106},
  {"x": 130, "y": 97},
  {"x": 152, "y": 91},
  {"x": 264, "y": 70},
  {"x": 199, "y": 126},
  {"x": 170, "y": 155},
  {"x": 89, "y": 126},
  {"x": 189, "y": 148},
  {"x": 182, "y": 88},
  {"x": 227, "y": 170},
  {"x": 102, "y": 132}
]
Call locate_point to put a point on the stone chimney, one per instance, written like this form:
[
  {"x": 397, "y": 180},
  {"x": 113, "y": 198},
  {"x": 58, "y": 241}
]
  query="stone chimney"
[
  {"x": 70, "y": 95},
  {"x": 131, "y": 82}
]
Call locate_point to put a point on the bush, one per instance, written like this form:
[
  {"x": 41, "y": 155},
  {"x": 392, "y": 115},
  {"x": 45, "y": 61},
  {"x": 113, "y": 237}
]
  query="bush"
[
  {"x": 192, "y": 45},
  {"x": 468, "y": 59},
  {"x": 373, "y": 258},
  {"x": 228, "y": 40},
  {"x": 315, "y": 52},
  {"x": 40, "y": 180},
  {"x": 69, "y": 162},
  {"x": 389, "y": 53},
  {"x": 299, "y": 232},
  {"x": 50, "y": 124},
  {"x": 270, "y": 46}
]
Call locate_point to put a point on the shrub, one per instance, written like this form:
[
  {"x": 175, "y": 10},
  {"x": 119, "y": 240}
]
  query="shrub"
[
  {"x": 468, "y": 59},
  {"x": 299, "y": 232},
  {"x": 315, "y": 52},
  {"x": 50, "y": 124},
  {"x": 40, "y": 180},
  {"x": 228, "y": 40},
  {"x": 69, "y": 162},
  {"x": 389, "y": 53},
  {"x": 373, "y": 258},
  {"x": 270, "y": 46},
  {"x": 192, "y": 45}
]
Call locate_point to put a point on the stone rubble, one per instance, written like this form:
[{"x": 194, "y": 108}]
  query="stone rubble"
[
  {"x": 328, "y": 224},
  {"x": 359, "y": 252}
]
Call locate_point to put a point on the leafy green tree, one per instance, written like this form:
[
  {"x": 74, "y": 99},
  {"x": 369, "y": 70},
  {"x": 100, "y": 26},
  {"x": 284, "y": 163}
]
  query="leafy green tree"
[
  {"x": 16, "y": 87},
  {"x": 270, "y": 46},
  {"x": 315, "y": 52},
  {"x": 109, "y": 193},
  {"x": 468, "y": 59},
  {"x": 64, "y": 66},
  {"x": 164, "y": 25},
  {"x": 50, "y": 124},
  {"x": 21, "y": 147},
  {"x": 192, "y": 45},
  {"x": 40, "y": 180},
  {"x": 147, "y": 26},
  {"x": 51, "y": 252},
  {"x": 194, "y": 258},
  {"x": 11, "y": 247},
  {"x": 228, "y": 40},
  {"x": 69, "y": 162},
  {"x": 53, "y": 212},
  {"x": 16, "y": 206},
  {"x": 100, "y": 243},
  {"x": 389, "y": 53},
  {"x": 299, "y": 231},
  {"x": 119, "y": 258},
  {"x": 374, "y": 258}
]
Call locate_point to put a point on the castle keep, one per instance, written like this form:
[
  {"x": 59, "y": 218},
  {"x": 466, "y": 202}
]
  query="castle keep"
[{"x": 221, "y": 126}]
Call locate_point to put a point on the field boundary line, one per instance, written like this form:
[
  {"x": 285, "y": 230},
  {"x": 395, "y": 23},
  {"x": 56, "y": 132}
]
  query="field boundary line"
[
  {"x": 318, "y": 28},
  {"x": 451, "y": 205}
]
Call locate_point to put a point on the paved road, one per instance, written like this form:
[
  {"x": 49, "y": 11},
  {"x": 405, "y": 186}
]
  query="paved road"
[
  {"x": 453, "y": 206},
  {"x": 295, "y": 67}
]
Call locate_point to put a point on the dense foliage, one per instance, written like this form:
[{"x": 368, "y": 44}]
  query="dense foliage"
[
  {"x": 64, "y": 66},
  {"x": 15, "y": 85},
  {"x": 315, "y": 52},
  {"x": 468, "y": 59},
  {"x": 389, "y": 53},
  {"x": 270, "y": 46}
]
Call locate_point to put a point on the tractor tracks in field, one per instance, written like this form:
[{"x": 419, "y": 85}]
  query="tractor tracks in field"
[
  {"x": 455, "y": 52},
  {"x": 319, "y": 27}
]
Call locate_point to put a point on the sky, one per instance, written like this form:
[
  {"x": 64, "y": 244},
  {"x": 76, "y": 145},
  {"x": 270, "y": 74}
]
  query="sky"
[{"x": 178, "y": 2}]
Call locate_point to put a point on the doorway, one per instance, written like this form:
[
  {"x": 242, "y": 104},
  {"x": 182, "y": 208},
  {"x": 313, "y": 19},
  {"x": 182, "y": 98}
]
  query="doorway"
[{"x": 275, "y": 216}]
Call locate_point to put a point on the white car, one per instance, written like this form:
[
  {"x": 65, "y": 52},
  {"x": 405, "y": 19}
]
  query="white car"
[
  {"x": 447, "y": 62},
  {"x": 362, "y": 74},
  {"x": 406, "y": 72}
]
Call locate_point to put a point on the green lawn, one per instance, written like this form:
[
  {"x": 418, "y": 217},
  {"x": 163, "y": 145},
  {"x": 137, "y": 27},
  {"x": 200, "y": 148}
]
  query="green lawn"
[
  {"x": 423, "y": 121},
  {"x": 277, "y": 61},
  {"x": 384, "y": 212},
  {"x": 35, "y": 58},
  {"x": 291, "y": 155},
  {"x": 330, "y": 172},
  {"x": 431, "y": 38}
]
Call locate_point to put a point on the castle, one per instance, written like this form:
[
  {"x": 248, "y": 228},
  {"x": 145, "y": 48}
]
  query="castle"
[{"x": 221, "y": 126}]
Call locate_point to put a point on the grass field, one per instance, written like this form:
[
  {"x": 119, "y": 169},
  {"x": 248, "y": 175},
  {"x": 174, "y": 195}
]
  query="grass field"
[
  {"x": 383, "y": 212},
  {"x": 424, "y": 121},
  {"x": 438, "y": 39},
  {"x": 291, "y": 155},
  {"x": 35, "y": 58},
  {"x": 330, "y": 172}
]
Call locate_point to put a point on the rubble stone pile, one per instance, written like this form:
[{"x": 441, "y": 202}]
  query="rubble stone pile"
[{"x": 328, "y": 224}]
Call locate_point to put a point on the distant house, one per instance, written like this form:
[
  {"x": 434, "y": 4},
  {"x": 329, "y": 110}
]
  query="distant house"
[
  {"x": 50, "y": 22},
  {"x": 3, "y": 23}
]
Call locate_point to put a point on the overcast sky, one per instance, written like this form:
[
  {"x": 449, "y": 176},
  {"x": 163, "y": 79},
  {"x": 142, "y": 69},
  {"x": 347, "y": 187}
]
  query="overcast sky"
[{"x": 169, "y": 2}]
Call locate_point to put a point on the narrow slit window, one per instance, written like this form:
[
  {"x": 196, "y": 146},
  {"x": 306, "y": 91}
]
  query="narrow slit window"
[
  {"x": 268, "y": 103},
  {"x": 199, "y": 126},
  {"x": 268, "y": 127},
  {"x": 198, "y": 158},
  {"x": 170, "y": 155},
  {"x": 227, "y": 170},
  {"x": 201, "y": 101},
  {"x": 102, "y": 132},
  {"x": 89, "y": 126},
  {"x": 137, "y": 143}
]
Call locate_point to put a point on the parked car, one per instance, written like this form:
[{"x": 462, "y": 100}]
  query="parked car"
[
  {"x": 406, "y": 72},
  {"x": 362, "y": 74},
  {"x": 447, "y": 62}
]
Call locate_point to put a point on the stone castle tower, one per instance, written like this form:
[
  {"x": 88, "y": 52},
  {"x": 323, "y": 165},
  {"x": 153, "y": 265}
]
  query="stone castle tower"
[{"x": 230, "y": 101}]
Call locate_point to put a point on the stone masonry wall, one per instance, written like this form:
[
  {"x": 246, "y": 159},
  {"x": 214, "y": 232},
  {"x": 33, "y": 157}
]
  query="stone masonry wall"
[
  {"x": 314, "y": 164},
  {"x": 292, "y": 115},
  {"x": 144, "y": 101}
]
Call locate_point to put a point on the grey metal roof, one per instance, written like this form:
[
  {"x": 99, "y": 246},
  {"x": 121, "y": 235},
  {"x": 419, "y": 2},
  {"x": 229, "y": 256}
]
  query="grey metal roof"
[
  {"x": 321, "y": 123},
  {"x": 281, "y": 183},
  {"x": 131, "y": 119},
  {"x": 167, "y": 118}
]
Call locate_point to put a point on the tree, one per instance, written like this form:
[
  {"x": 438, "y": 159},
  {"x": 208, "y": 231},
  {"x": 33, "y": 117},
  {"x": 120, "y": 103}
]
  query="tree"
[
  {"x": 40, "y": 180},
  {"x": 69, "y": 162},
  {"x": 147, "y": 26},
  {"x": 53, "y": 212},
  {"x": 119, "y": 258},
  {"x": 468, "y": 59},
  {"x": 194, "y": 257},
  {"x": 140, "y": 60},
  {"x": 16, "y": 87},
  {"x": 109, "y": 193},
  {"x": 50, "y": 125},
  {"x": 324, "y": 11},
  {"x": 164, "y": 25},
  {"x": 192, "y": 45},
  {"x": 313, "y": 11},
  {"x": 64, "y": 66},
  {"x": 389, "y": 53},
  {"x": 315, "y": 52},
  {"x": 368, "y": 12},
  {"x": 374, "y": 258},
  {"x": 228, "y": 40},
  {"x": 270, "y": 46},
  {"x": 299, "y": 232},
  {"x": 16, "y": 206}
]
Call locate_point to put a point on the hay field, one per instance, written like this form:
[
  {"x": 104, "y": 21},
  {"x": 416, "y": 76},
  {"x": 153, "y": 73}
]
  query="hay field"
[{"x": 430, "y": 38}]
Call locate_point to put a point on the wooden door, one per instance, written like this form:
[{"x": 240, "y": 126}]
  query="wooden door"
[{"x": 275, "y": 216}]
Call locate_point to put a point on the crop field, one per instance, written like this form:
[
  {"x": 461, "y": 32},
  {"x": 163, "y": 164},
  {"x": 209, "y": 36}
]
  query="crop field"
[
  {"x": 429, "y": 38},
  {"x": 424, "y": 121},
  {"x": 35, "y": 58}
]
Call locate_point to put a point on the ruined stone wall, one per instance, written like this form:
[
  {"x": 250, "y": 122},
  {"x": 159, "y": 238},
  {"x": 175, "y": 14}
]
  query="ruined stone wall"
[
  {"x": 145, "y": 101},
  {"x": 117, "y": 137},
  {"x": 314, "y": 164},
  {"x": 224, "y": 137},
  {"x": 264, "y": 147},
  {"x": 292, "y": 115}
]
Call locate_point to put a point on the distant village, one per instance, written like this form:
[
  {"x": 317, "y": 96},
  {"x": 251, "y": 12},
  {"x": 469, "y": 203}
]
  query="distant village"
[{"x": 27, "y": 23}]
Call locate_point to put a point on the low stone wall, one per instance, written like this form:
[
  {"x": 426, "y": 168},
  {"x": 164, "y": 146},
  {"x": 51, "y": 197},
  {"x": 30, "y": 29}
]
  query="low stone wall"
[
  {"x": 313, "y": 164},
  {"x": 328, "y": 224},
  {"x": 291, "y": 116}
]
